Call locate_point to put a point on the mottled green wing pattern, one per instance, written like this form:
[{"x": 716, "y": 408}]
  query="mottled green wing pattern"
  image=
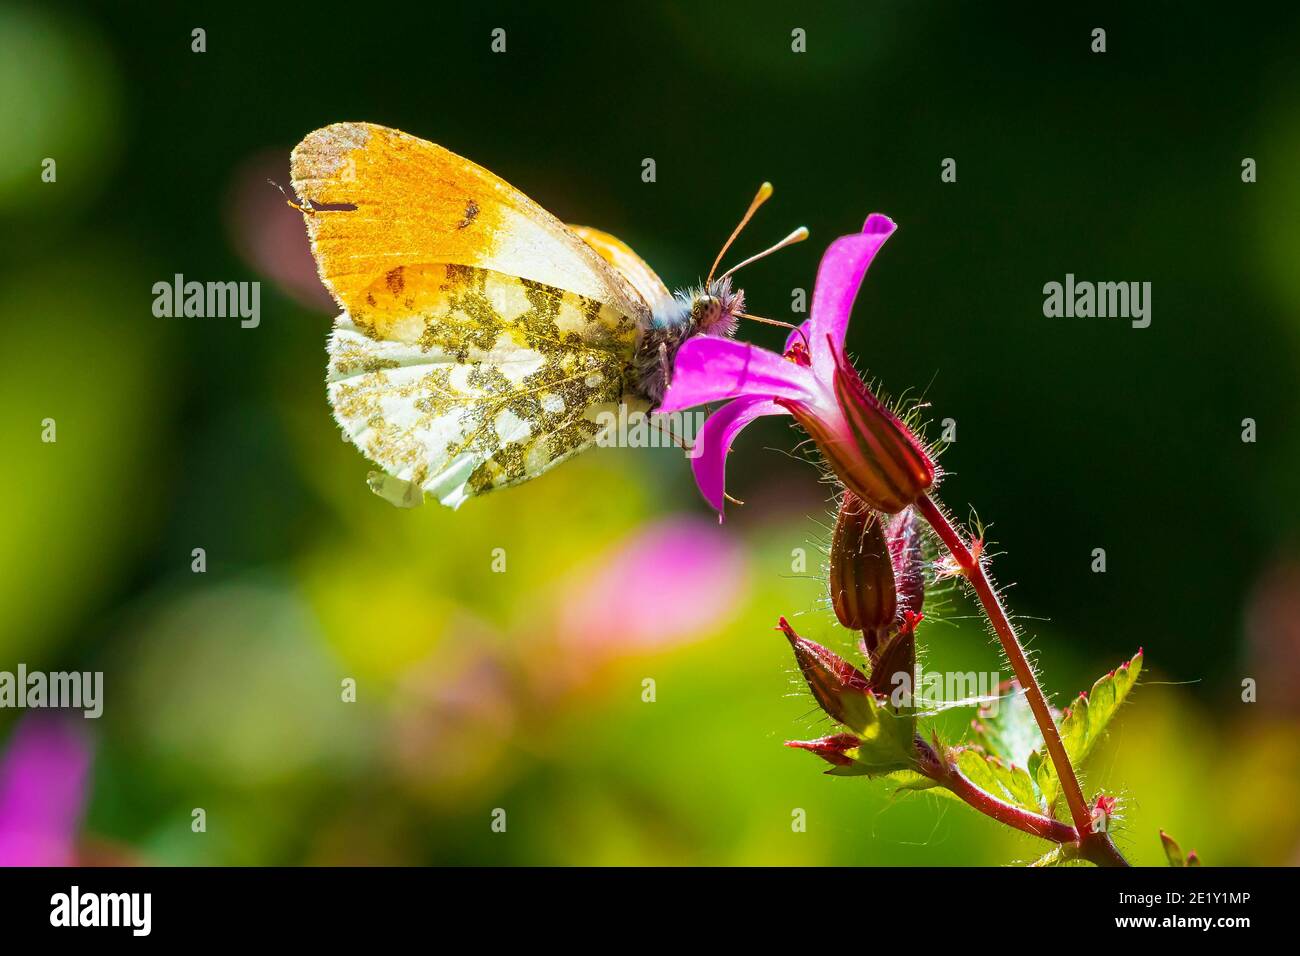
[{"x": 461, "y": 380}]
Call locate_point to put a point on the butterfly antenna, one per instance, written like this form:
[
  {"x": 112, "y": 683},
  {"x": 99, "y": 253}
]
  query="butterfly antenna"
[
  {"x": 763, "y": 195},
  {"x": 799, "y": 235},
  {"x": 784, "y": 325}
]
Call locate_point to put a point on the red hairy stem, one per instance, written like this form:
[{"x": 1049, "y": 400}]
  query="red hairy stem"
[
  {"x": 947, "y": 775},
  {"x": 1094, "y": 846}
]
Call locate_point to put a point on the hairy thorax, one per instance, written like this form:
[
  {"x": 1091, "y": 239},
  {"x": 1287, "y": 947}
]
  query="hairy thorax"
[{"x": 710, "y": 310}]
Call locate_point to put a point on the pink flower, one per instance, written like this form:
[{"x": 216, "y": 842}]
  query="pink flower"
[
  {"x": 43, "y": 789},
  {"x": 671, "y": 582},
  {"x": 868, "y": 448}
]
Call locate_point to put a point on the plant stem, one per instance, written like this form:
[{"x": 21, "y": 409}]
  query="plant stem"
[
  {"x": 973, "y": 569},
  {"x": 947, "y": 775}
]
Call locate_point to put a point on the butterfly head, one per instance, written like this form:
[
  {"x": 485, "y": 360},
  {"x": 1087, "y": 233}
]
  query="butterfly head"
[
  {"x": 716, "y": 306},
  {"x": 714, "y": 309}
]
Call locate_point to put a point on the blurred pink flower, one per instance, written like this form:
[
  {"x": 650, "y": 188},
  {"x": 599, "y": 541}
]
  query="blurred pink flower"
[
  {"x": 43, "y": 791},
  {"x": 269, "y": 235},
  {"x": 673, "y": 581},
  {"x": 1273, "y": 634}
]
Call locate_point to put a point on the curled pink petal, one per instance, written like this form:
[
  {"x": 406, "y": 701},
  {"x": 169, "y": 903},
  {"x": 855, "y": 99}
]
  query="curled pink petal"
[
  {"x": 714, "y": 441},
  {"x": 712, "y": 369},
  {"x": 866, "y": 446},
  {"x": 838, "y": 278}
]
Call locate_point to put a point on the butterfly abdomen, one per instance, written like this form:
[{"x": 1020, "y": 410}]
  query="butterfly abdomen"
[{"x": 651, "y": 368}]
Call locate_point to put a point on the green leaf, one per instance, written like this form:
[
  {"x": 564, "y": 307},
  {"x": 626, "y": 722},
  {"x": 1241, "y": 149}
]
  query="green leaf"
[
  {"x": 1009, "y": 731},
  {"x": 1083, "y": 725},
  {"x": 1004, "y": 781},
  {"x": 910, "y": 781},
  {"x": 886, "y": 740}
]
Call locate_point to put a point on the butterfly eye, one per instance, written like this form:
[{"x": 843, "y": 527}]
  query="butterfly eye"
[{"x": 707, "y": 308}]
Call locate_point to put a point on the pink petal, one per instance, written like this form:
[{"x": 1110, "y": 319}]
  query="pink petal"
[
  {"x": 838, "y": 278},
  {"x": 712, "y": 369},
  {"x": 714, "y": 441}
]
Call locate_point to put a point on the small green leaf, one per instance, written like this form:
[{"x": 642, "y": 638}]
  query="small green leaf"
[
  {"x": 1004, "y": 781},
  {"x": 886, "y": 740},
  {"x": 1009, "y": 731},
  {"x": 911, "y": 781},
  {"x": 1083, "y": 725}
]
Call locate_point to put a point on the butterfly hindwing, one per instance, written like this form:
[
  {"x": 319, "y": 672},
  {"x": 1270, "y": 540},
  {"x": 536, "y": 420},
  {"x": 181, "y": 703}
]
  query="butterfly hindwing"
[
  {"x": 486, "y": 380},
  {"x": 643, "y": 280}
]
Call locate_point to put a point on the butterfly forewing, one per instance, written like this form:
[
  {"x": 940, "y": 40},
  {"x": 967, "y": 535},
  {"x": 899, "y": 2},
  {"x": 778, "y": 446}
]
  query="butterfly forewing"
[{"x": 387, "y": 199}]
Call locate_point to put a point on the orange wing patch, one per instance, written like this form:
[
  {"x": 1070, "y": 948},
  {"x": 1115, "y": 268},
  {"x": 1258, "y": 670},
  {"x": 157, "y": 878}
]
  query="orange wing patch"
[{"x": 381, "y": 201}]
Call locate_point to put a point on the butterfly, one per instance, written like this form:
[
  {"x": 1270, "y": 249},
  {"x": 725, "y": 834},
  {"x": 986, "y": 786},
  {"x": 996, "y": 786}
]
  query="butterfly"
[{"x": 481, "y": 338}]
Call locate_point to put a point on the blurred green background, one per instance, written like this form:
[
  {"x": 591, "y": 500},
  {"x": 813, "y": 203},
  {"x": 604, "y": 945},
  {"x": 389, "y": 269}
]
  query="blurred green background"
[{"x": 523, "y": 690}]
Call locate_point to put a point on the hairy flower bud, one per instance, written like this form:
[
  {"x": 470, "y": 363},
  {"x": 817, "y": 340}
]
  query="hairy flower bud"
[
  {"x": 832, "y": 749},
  {"x": 838, "y": 686},
  {"x": 904, "y": 537},
  {"x": 893, "y": 659},
  {"x": 1102, "y": 811},
  {"x": 862, "y": 574}
]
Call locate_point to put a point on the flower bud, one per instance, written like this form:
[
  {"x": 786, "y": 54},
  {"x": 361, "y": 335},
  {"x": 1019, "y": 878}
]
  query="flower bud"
[
  {"x": 862, "y": 574},
  {"x": 904, "y": 537},
  {"x": 838, "y": 686},
  {"x": 893, "y": 660},
  {"x": 832, "y": 749}
]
